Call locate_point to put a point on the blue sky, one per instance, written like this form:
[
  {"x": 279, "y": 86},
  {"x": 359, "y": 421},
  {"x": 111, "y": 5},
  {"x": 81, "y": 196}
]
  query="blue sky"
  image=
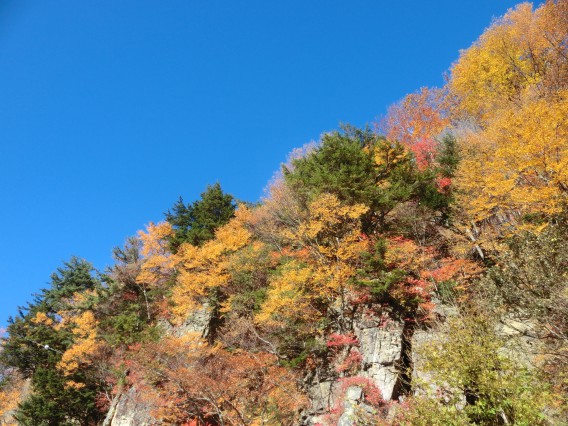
[{"x": 111, "y": 109}]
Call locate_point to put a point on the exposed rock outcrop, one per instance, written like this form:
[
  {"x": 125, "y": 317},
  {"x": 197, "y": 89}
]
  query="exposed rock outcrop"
[
  {"x": 385, "y": 347},
  {"x": 127, "y": 410},
  {"x": 355, "y": 411},
  {"x": 197, "y": 322},
  {"x": 381, "y": 348}
]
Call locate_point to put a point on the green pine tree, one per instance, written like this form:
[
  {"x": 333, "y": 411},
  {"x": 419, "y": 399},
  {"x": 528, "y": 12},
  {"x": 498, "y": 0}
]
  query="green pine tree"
[
  {"x": 35, "y": 348},
  {"x": 196, "y": 223}
]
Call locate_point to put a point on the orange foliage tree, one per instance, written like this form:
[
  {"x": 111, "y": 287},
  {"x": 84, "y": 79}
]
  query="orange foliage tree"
[
  {"x": 416, "y": 121},
  {"x": 188, "y": 380}
]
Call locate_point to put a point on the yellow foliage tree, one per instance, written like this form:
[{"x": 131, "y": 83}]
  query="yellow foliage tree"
[
  {"x": 11, "y": 394},
  {"x": 514, "y": 83},
  {"x": 327, "y": 244},
  {"x": 522, "y": 54},
  {"x": 86, "y": 344},
  {"x": 289, "y": 296},
  {"x": 158, "y": 261},
  {"x": 520, "y": 161},
  {"x": 203, "y": 269}
]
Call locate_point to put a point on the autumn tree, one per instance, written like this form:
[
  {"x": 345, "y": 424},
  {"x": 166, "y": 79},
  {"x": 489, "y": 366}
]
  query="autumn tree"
[
  {"x": 512, "y": 85},
  {"x": 523, "y": 54},
  {"x": 416, "y": 122},
  {"x": 12, "y": 390},
  {"x": 189, "y": 380},
  {"x": 358, "y": 167},
  {"x": 35, "y": 345}
]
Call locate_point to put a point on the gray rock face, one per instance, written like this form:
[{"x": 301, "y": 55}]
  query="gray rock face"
[
  {"x": 419, "y": 374},
  {"x": 126, "y": 410},
  {"x": 321, "y": 396},
  {"x": 355, "y": 411},
  {"x": 196, "y": 322},
  {"x": 353, "y": 396},
  {"x": 381, "y": 349}
]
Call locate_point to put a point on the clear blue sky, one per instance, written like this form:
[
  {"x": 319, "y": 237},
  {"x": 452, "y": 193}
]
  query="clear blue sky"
[{"x": 111, "y": 109}]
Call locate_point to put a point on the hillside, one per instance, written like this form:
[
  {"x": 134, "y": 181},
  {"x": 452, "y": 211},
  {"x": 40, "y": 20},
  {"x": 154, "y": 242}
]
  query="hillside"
[{"x": 413, "y": 272}]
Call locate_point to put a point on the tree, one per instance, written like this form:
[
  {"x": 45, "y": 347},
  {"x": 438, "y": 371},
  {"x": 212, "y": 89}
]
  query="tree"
[
  {"x": 196, "y": 223},
  {"x": 12, "y": 389},
  {"x": 74, "y": 277},
  {"x": 416, "y": 121},
  {"x": 202, "y": 270},
  {"x": 190, "y": 380},
  {"x": 338, "y": 166},
  {"x": 471, "y": 367},
  {"x": 521, "y": 54},
  {"x": 35, "y": 345},
  {"x": 530, "y": 282},
  {"x": 157, "y": 268},
  {"x": 127, "y": 307},
  {"x": 512, "y": 85},
  {"x": 358, "y": 167},
  {"x": 520, "y": 160}
]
